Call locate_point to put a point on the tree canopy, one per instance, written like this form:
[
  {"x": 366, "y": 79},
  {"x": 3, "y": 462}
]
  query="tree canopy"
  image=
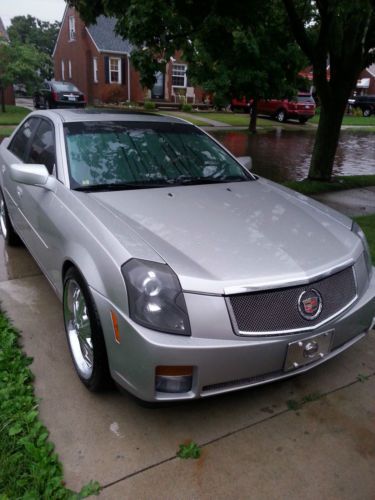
[{"x": 213, "y": 35}]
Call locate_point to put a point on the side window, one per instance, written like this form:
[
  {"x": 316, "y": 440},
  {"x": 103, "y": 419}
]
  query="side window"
[
  {"x": 21, "y": 141},
  {"x": 43, "y": 146}
]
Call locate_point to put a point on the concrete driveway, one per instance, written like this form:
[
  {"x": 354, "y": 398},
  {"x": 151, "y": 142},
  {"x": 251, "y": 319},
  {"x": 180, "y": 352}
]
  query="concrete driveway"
[{"x": 253, "y": 444}]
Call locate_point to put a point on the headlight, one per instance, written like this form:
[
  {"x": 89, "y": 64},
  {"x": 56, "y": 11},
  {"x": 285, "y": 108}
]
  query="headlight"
[
  {"x": 358, "y": 231},
  {"x": 155, "y": 297}
]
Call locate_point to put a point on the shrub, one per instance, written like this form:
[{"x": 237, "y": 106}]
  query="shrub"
[
  {"x": 187, "y": 108},
  {"x": 149, "y": 105},
  {"x": 113, "y": 94}
]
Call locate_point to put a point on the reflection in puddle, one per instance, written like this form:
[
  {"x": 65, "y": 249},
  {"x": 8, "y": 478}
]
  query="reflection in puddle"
[{"x": 285, "y": 155}]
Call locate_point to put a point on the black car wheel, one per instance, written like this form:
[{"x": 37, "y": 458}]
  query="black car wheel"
[
  {"x": 281, "y": 116},
  {"x": 366, "y": 112},
  {"x": 84, "y": 333},
  {"x": 9, "y": 234},
  {"x": 302, "y": 120},
  {"x": 36, "y": 103}
]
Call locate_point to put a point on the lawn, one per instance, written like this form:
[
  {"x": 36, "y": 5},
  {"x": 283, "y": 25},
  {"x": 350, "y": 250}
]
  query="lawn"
[
  {"x": 13, "y": 115},
  {"x": 5, "y": 131},
  {"x": 29, "y": 468},
  {"x": 350, "y": 120},
  {"x": 234, "y": 119},
  {"x": 367, "y": 223}
]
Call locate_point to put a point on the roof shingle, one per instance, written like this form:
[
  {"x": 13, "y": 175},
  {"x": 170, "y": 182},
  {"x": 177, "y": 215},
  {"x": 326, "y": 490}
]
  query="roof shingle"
[{"x": 105, "y": 38}]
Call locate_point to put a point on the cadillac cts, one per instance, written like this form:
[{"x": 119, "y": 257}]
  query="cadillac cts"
[{"x": 181, "y": 274}]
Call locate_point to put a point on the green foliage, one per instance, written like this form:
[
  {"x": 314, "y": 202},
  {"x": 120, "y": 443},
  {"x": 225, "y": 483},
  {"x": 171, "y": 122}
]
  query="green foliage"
[
  {"x": 149, "y": 105},
  {"x": 295, "y": 405},
  {"x": 13, "y": 115},
  {"x": 186, "y": 108},
  {"x": 21, "y": 64},
  {"x": 42, "y": 35},
  {"x": 29, "y": 468},
  {"x": 189, "y": 450},
  {"x": 362, "y": 378}
]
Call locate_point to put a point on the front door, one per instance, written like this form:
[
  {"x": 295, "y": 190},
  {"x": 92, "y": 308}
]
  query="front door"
[{"x": 157, "y": 91}]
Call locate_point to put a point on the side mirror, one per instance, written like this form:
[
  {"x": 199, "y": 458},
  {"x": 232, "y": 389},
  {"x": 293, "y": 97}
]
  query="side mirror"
[
  {"x": 32, "y": 174},
  {"x": 245, "y": 161}
]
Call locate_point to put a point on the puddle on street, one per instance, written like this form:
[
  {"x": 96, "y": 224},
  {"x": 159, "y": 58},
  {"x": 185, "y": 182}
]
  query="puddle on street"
[{"x": 285, "y": 155}]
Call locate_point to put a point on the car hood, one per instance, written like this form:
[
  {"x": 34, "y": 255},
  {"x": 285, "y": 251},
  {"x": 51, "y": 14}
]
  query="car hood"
[{"x": 221, "y": 238}]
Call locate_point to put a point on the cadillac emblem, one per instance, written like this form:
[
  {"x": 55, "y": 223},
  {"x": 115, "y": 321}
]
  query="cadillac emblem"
[{"x": 310, "y": 304}]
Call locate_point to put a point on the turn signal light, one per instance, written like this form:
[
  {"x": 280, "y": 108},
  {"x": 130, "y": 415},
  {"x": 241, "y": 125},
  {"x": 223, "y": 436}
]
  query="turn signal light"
[
  {"x": 115, "y": 327},
  {"x": 173, "y": 379}
]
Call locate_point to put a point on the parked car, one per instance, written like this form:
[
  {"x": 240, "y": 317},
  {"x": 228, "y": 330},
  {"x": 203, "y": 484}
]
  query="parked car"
[
  {"x": 302, "y": 108},
  {"x": 55, "y": 94},
  {"x": 366, "y": 103},
  {"x": 181, "y": 274}
]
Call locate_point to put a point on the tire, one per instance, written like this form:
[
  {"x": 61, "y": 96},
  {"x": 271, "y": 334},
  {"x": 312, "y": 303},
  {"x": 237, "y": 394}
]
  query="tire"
[
  {"x": 84, "y": 333},
  {"x": 366, "y": 112},
  {"x": 7, "y": 230},
  {"x": 281, "y": 116},
  {"x": 36, "y": 103},
  {"x": 302, "y": 120}
]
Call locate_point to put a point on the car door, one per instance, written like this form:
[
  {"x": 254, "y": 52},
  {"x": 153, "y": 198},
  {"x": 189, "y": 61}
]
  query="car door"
[
  {"x": 16, "y": 152},
  {"x": 37, "y": 204}
]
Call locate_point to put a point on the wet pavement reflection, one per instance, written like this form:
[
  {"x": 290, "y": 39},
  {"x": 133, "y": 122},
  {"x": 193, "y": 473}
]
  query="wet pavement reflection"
[{"x": 285, "y": 155}]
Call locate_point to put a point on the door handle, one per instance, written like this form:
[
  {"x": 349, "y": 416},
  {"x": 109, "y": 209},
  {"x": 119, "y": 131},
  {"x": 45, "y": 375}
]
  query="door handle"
[{"x": 19, "y": 192}]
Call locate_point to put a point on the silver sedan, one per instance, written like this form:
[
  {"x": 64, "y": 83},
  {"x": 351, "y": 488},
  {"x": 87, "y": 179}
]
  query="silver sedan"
[{"x": 181, "y": 274}]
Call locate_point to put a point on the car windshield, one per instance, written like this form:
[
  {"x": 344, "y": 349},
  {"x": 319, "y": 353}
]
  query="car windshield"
[
  {"x": 64, "y": 87},
  {"x": 122, "y": 155}
]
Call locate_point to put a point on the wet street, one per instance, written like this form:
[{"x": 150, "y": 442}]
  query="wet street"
[{"x": 285, "y": 155}]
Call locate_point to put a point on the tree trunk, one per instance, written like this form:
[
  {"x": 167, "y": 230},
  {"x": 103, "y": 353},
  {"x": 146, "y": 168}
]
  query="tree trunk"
[
  {"x": 326, "y": 140},
  {"x": 253, "y": 117},
  {"x": 2, "y": 94}
]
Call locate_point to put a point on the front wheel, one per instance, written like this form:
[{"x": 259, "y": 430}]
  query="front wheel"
[
  {"x": 280, "y": 116},
  {"x": 9, "y": 234},
  {"x": 84, "y": 333},
  {"x": 366, "y": 112}
]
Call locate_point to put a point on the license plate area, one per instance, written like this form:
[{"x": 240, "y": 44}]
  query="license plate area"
[{"x": 303, "y": 352}]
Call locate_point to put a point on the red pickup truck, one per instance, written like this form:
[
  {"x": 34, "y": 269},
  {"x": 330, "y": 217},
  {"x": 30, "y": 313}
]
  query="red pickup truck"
[{"x": 301, "y": 108}]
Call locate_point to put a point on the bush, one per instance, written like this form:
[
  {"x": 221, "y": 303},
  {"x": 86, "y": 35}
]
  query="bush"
[
  {"x": 187, "y": 108},
  {"x": 149, "y": 105},
  {"x": 113, "y": 94}
]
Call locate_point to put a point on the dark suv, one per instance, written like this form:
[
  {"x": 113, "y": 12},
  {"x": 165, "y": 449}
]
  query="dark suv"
[
  {"x": 364, "y": 102},
  {"x": 59, "y": 95}
]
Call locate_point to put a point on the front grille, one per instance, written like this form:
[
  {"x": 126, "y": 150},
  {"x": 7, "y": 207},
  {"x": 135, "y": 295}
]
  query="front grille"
[{"x": 276, "y": 311}]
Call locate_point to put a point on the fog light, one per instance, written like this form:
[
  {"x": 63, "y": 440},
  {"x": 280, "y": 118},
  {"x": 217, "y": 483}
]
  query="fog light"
[{"x": 173, "y": 379}]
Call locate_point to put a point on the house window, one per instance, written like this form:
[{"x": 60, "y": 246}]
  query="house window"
[
  {"x": 179, "y": 75},
  {"x": 95, "y": 69},
  {"x": 72, "y": 28},
  {"x": 70, "y": 68},
  {"x": 62, "y": 70},
  {"x": 114, "y": 70}
]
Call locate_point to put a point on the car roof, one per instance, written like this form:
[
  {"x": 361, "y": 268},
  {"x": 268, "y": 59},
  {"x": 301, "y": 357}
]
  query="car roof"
[{"x": 87, "y": 115}]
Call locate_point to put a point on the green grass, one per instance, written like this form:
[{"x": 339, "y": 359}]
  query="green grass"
[
  {"x": 355, "y": 121},
  {"x": 337, "y": 184},
  {"x": 233, "y": 119},
  {"x": 367, "y": 223},
  {"x": 5, "y": 131},
  {"x": 29, "y": 468},
  {"x": 184, "y": 116},
  {"x": 13, "y": 115}
]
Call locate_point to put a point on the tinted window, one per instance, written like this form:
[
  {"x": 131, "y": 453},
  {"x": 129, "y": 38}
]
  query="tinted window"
[
  {"x": 305, "y": 98},
  {"x": 64, "y": 87},
  {"x": 20, "y": 142},
  {"x": 145, "y": 154},
  {"x": 42, "y": 149}
]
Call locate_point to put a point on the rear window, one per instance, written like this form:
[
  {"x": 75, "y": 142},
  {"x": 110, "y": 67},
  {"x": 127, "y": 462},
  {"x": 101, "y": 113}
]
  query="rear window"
[
  {"x": 64, "y": 87},
  {"x": 305, "y": 98}
]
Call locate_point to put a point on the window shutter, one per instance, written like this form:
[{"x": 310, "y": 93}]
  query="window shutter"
[
  {"x": 123, "y": 70},
  {"x": 106, "y": 68}
]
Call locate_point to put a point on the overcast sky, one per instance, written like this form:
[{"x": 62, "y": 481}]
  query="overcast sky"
[{"x": 46, "y": 10}]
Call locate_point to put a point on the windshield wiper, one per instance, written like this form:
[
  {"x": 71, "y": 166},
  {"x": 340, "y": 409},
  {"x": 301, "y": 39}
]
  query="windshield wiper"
[
  {"x": 118, "y": 186},
  {"x": 185, "y": 180}
]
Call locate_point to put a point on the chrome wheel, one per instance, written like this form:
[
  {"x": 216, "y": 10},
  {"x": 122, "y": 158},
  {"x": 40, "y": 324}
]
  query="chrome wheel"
[
  {"x": 78, "y": 328},
  {"x": 3, "y": 221}
]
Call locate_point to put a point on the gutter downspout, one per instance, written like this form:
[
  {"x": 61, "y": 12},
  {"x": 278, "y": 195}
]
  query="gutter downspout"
[{"x": 128, "y": 77}]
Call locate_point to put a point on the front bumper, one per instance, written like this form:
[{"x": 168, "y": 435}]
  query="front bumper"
[{"x": 221, "y": 361}]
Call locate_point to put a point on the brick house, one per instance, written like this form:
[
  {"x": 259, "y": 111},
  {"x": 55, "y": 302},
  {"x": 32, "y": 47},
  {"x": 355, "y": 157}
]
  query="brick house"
[
  {"x": 99, "y": 63},
  {"x": 8, "y": 92},
  {"x": 366, "y": 81}
]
